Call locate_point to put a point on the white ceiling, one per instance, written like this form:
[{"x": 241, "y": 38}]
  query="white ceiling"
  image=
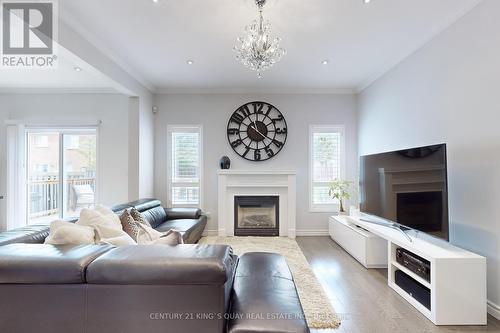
[
  {"x": 153, "y": 41},
  {"x": 64, "y": 77}
]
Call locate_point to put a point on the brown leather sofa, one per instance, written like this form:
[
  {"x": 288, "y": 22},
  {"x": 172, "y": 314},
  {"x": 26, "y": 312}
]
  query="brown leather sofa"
[{"x": 187, "y": 288}]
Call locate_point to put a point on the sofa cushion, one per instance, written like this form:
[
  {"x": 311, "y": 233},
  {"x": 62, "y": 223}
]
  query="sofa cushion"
[
  {"x": 118, "y": 209},
  {"x": 179, "y": 225},
  {"x": 145, "y": 204},
  {"x": 47, "y": 264},
  {"x": 155, "y": 216},
  {"x": 163, "y": 265},
  {"x": 263, "y": 284}
]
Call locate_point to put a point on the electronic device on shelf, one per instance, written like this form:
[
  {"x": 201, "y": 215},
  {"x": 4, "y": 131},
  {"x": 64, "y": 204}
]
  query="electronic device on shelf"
[
  {"x": 414, "y": 263},
  {"x": 419, "y": 292}
]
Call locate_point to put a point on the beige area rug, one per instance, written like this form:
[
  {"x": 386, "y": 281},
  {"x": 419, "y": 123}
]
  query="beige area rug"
[{"x": 318, "y": 310}]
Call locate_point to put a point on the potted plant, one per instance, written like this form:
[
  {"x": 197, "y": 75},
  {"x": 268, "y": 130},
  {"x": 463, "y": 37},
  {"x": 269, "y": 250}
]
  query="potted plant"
[{"x": 339, "y": 189}]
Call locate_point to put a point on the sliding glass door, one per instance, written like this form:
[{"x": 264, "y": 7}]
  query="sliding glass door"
[{"x": 61, "y": 172}]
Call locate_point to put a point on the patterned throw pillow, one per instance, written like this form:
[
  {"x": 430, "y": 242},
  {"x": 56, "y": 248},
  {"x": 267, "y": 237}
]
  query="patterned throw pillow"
[
  {"x": 129, "y": 225},
  {"x": 138, "y": 217}
]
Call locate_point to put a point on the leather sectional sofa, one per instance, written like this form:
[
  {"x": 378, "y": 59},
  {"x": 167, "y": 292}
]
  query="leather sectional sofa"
[
  {"x": 190, "y": 222},
  {"x": 188, "y": 288}
]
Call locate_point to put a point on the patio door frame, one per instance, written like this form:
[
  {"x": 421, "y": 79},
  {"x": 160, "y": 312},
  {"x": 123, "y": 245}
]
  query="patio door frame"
[{"x": 61, "y": 131}]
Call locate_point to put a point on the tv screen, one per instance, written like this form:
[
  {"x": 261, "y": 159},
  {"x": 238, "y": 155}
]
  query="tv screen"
[{"x": 408, "y": 187}]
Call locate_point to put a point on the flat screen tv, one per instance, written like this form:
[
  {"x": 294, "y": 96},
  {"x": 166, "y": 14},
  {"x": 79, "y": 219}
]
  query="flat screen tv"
[{"x": 408, "y": 187}]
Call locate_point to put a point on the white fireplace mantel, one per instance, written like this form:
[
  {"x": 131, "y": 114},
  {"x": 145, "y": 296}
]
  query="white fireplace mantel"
[{"x": 279, "y": 183}]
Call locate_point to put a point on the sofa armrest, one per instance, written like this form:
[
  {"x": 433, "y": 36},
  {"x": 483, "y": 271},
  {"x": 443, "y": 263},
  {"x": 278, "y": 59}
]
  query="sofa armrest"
[
  {"x": 33, "y": 234},
  {"x": 183, "y": 213}
]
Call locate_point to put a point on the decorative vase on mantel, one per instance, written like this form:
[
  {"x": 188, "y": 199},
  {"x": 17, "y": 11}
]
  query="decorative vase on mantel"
[{"x": 225, "y": 163}]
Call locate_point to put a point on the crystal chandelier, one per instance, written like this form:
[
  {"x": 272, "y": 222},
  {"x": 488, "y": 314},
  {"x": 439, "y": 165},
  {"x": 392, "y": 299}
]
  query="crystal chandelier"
[{"x": 258, "y": 50}]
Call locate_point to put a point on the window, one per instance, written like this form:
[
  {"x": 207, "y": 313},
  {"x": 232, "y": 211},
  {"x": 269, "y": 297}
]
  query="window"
[
  {"x": 326, "y": 144},
  {"x": 42, "y": 168},
  {"x": 73, "y": 142},
  {"x": 185, "y": 166},
  {"x": 59, "y": 163},
  {"x": 42, "y": 141}
]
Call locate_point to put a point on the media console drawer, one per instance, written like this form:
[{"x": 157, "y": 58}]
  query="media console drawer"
[{"x": 367, "y": 248}]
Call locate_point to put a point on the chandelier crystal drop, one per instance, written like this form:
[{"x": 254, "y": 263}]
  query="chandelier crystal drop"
[{"x": 257, "y": 50}]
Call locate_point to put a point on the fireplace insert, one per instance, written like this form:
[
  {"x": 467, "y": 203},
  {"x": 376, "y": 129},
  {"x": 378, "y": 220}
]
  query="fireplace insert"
[{"x": 256, "y": 216}]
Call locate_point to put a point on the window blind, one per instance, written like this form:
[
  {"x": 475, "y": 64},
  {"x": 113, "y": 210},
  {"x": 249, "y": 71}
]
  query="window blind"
[
  {"x": 185, "y": 168},
  {"x": 326, "y": 155}
]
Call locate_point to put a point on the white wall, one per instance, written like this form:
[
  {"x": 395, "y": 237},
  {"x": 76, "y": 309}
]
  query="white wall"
[
  {"x": 76, "y": 109},
  {"x": 141, "y": 146},
  {"x": 146, "y": 147},
  {"x": 213, "y": 112},
  {"x": 448, "y": 92},
  {"x": 4, "y": 114}
]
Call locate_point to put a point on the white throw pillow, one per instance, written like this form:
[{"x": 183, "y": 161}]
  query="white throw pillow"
[
  {"x": 107, "y": 226},
  {"x": 109, "y": 235},
  {"x": 146, "y": 234},
  {"x": 101, "y": 216},
  {"x": 62, "y": 232},
  {"x": 172, "y": 237}
]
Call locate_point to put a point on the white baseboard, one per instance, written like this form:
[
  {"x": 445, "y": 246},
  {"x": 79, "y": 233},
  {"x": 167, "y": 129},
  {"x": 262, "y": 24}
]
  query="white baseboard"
[
  {"x": 312, "y": 232},
  {"x": 302, "y": 233},
  {"x": 210, "y": 233},
  {"x": 494, "y": 310}
]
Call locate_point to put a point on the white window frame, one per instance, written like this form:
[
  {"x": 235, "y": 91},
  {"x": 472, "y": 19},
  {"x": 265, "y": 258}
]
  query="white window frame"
[
  {"x": 325, "y": 208},
  {"x": 189, "y": 129}
]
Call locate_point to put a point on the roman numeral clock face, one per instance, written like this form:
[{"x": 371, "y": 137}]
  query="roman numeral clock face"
[{"x": 257, "y": 131}]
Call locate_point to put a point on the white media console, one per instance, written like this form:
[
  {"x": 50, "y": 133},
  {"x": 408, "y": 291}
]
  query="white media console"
[{"x": 458, "y": 277}]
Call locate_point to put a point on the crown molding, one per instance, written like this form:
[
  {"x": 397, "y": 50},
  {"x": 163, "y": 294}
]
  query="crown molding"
[
  {"x": 10, "y": 90},
  {"x": 389, "y": 66},
  {"x": 246, "y": 91}
]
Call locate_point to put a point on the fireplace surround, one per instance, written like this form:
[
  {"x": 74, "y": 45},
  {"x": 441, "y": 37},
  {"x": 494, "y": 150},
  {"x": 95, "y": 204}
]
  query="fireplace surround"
[{"x": 277, "y": 183}]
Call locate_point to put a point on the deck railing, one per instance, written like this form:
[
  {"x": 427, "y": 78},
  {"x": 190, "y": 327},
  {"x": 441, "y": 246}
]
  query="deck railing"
[{"x": 44, "y": 192}]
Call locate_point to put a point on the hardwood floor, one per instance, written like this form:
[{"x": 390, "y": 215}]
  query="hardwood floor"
[{"x": 362, "y": 298}]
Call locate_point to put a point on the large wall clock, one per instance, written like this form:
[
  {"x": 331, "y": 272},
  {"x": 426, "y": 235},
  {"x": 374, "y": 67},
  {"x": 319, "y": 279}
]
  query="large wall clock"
[{"x": 257, "y": 131}]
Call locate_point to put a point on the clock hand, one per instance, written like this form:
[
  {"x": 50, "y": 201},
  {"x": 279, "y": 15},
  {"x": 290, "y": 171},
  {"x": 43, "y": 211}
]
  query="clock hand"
[{"x": 256, "y": 130}]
